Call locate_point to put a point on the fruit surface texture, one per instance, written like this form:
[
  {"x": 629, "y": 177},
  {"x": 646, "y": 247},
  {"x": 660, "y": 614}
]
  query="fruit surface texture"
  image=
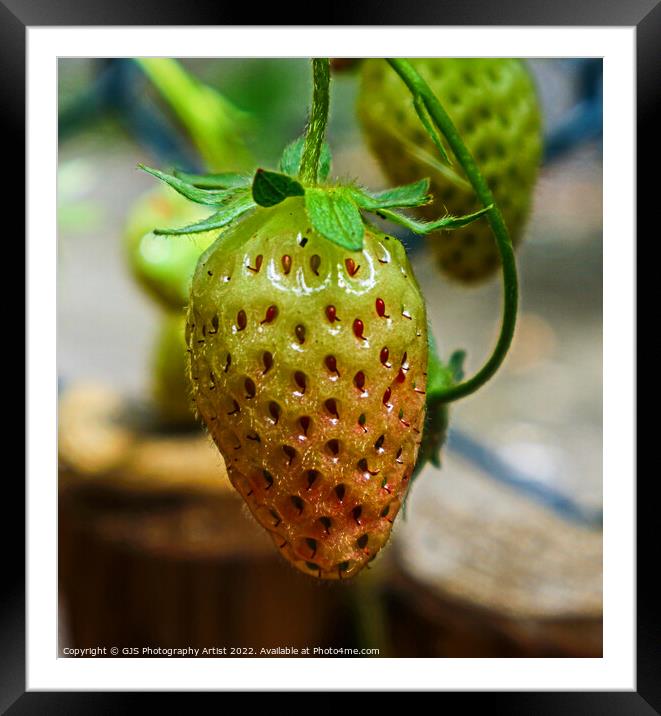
[
  {"x": 493, "y": 104},
  {"x": 308, "y": 363}
]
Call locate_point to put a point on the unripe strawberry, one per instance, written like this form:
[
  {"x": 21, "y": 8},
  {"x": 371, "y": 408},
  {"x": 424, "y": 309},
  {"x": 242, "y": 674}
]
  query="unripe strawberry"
[
  {"x": 494, "y": 106},
  {"x": 170, "y": 385},
  {"x": 308, "y": 363},
  {"x": 163, "y": 266}
]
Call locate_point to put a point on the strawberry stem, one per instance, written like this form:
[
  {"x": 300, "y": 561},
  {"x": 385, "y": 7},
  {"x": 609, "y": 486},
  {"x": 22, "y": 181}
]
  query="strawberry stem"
[
  {"x": 368, "y": 606},
  {"x": 316, "y": 131},
  {"x": 421, "y": 91}
]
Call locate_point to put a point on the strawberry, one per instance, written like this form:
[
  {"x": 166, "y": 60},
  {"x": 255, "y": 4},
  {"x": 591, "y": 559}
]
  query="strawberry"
[
  {"x": 309, "y": 365},
  {"x": 307, "y": 336},
  {"x": 170, "y": 385},
  {"x": 494, "y": 106},
  {"x": 163, "y": 267}
]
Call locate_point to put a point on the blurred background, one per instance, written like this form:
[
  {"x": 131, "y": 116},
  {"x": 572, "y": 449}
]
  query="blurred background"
[{"x": 499, "y": 552}]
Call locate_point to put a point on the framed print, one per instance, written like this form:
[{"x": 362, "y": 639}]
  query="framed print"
[{"x": 332, "y": 358}]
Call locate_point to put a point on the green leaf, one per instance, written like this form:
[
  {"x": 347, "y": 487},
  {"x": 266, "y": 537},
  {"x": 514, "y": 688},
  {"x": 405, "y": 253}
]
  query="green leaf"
[
  {"x": 228, "y": 180},
  {"x": 200, "y": 196},
  {"x": 456, "y": 365},
  {"x": 457, "y": 222},
  {"x": 423, "y": 114},
  {"x": 290, "y": 161},
  {"x": 270, "y": 188},
  {"x": 439, "y": 378},
  {"x": 423, "y": 155},
  {"x": 426, "y": 227},
  {"x": 221, "y": 218},
  {"x": 416, "y": 194},
  {"x": 439, "y": 375},
  {"x": 334, "y": 214},
  {"x": 325, "y": 160}
]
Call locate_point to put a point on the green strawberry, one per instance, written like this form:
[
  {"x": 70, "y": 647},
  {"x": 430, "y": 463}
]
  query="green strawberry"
[
  {"x": 307, "y": 336},
  {"x": 164, "y": 266},
  {"x": 308, "y": 365},
  {"x": 171, "y": 388},
  {"x": 493, "y": 104}
]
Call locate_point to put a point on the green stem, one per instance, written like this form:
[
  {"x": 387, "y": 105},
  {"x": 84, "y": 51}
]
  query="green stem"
[
  {"x": 420, "y": 88},
  {"x": 314, "y": 138},
  {"x": 369, "y": 609},
  {"x": 213, "y": 123}
]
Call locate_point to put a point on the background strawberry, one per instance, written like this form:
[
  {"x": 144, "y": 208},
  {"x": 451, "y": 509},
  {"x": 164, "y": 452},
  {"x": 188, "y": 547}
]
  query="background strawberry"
[
  {"x": 163, "y": 267},
  {"x": 170, "y": 385},
  {"x": 309, "y": 362},
  {"x": 493, "y": 104}
]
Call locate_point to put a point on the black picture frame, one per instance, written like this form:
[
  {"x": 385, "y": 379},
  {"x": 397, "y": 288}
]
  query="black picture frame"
[{"x": 17, "y": 15}]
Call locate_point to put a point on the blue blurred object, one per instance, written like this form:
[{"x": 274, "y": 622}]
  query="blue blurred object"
[
  {"x": 119, "y": 91},
  {"x": 584, "y": 122},
  {"x": 498, "y": 469}
]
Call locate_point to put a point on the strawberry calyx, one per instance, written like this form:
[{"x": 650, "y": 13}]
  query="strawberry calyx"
[{"x": 336, "y": 210}]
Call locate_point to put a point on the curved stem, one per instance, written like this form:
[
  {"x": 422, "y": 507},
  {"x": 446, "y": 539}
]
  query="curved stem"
[
  {"x": 213, "y": 123},
  {"x": 419, "y": 88},
  {"x": 318, "y": 121}
]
